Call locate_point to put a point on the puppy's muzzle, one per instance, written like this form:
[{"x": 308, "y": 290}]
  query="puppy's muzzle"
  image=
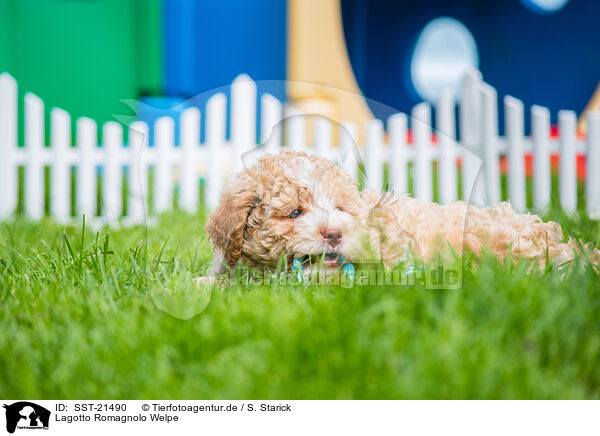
[{"x": 332, "y": 235}]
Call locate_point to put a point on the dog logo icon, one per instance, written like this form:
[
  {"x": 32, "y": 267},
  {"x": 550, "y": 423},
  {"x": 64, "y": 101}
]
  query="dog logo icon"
[{"x": 26, "y": 415}]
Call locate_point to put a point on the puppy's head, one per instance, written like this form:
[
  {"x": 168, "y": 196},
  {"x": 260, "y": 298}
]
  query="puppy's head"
[{"x": 290, "y": 205}]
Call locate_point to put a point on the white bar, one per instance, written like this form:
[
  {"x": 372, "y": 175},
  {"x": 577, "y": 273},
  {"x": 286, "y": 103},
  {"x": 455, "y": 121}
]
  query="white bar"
[
  {"x": 358, "y": 417},
  {"x": 164, "y": 137},
  {"x": 349, "y": 149},
  {"x": 215, "y": 141},
  {"x": 540, "y": 131},
  {"x": 491, "y": 163},
  {"x": 189, "y": 131},
  {"x": 8, "y": 145},
  {"x": 138, "y": 172},
  {"x": 515, "y": 131},
  {"x": 243, "y": 118},
  {"x": 446, "y": 133},
  {"x": 421, "y": 127},
  {"x": 592, "y": 191},
  {"x": 373, "y": 155},
  {"x": 295, "y": 123},
  {"x": 322, "y": 129},
  {"x": 270, "y": 125},
  {"x": 112, "y": 197},
  {"x": 470, "y": 137},
  {"x": 60, "y": 141},
  {"x": 86, "y": 133},
  {"x": 567, "y": 179},
  {"x": 34, "y": 142},
  {"x": 397, "y": 128}
]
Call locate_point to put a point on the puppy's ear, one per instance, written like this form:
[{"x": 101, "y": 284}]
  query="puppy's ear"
[{"x": 227, "y": 224}]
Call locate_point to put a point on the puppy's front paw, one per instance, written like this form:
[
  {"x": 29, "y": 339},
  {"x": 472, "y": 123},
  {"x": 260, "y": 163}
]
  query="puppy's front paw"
[{"x": 208, "y": 281}]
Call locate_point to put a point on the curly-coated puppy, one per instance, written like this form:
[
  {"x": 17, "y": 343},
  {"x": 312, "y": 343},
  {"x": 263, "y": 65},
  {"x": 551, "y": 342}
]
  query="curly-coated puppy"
[{"x": 293, "y": 205}]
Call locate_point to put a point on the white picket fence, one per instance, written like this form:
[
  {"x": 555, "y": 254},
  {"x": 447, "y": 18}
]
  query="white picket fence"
[{"x": 186, "y": 165}]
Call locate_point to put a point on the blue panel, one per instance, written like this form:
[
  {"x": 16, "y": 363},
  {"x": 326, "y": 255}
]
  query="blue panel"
[
  {"x": 180, "y": 46},
  {"x": 208, "y": 43}
]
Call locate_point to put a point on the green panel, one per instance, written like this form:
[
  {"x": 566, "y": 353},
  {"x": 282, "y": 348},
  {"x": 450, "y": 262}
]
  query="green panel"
[
  {"x": 148, "y": 37},
  {"x": 83, "y": 56},
  {"x": 7, "y": 55}
]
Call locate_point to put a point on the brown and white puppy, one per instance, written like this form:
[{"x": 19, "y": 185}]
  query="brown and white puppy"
[{"x": 294, "y": 205}]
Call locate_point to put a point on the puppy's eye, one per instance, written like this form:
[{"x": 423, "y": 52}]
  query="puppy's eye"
[
  {"x": 341, "y": 209},
  {"x": 295, "y": 213}
]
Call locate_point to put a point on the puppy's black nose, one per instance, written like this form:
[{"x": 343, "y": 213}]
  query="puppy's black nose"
[{"x": 333, "y": 236}]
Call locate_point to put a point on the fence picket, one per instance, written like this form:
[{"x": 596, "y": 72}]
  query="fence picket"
[
  {"x": 593, "y": 165},
  {"x": 421, "y": 127},
  {"x": 60, "y": 142},
  {"x": 243, "y": 118},
  {"x": 295, "y": 128},
  {"x": 112, "y": 182},
  {"x": 270, "y": 125},
  {"x": 397, "y": 128},
  {"x": 164, "y": 129},
  {"x": 190, "y": 139},
  {"x": 349, "y": 149},
  {"x": 514, "y": 119},
  {"x": 138, "y": 172},
  {"x": 215, "y": 142},
  {"x": 567, "y": 169},
  {"x": 86, "y": 172},
  {"x": 322, "y": 137},
  {"x": 8, "y": 145},
  {"x": 491, "y": 162},
  {"x": 446, "y": 134},
  {"x": 373, "y": 155},
  {"x": 470, "y": 137},
  {"x": 540, "y": 131},
  {"x": 34, "y": 142}
]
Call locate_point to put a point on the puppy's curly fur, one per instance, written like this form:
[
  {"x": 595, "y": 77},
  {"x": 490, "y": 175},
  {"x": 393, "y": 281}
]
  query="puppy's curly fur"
[{"x": 290, "y": 204}]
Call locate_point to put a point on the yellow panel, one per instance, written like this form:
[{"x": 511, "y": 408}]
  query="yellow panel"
[{"x": 320, "y": 76}]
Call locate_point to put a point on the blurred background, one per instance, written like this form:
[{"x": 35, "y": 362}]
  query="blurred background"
[{"x": 86, "y": 55}]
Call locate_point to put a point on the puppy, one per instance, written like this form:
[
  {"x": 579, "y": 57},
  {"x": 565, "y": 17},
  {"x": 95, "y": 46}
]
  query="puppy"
[{"x": 298, "y": 206}]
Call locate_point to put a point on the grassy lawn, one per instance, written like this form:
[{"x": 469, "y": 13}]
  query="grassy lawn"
[{"x": 93, "y": 318}]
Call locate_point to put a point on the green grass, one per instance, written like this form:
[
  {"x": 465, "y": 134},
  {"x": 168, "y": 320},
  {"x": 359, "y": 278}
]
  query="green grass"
[{"x": 92, "y": 318}]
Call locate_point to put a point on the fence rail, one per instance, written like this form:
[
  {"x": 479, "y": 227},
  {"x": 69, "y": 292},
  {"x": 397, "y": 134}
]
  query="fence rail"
[{"x": 186, "y": 166}]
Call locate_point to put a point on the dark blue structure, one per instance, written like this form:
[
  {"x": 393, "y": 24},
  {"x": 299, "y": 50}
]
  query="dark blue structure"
[{"x": 545, "y": 58}]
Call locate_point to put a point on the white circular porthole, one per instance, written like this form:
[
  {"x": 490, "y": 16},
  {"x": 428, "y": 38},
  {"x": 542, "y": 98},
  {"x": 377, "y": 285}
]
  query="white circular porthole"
[
  {"x": 444, "y": 51},
  {"x": 545, "y": 6}
]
